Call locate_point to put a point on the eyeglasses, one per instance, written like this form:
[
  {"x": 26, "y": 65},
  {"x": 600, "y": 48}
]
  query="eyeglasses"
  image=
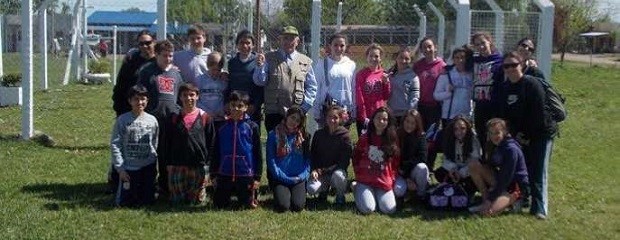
[
  {"x": 145, "y": 43},
  {"x": 510, "y": 65},
  {"x": 527, "y": 47}
]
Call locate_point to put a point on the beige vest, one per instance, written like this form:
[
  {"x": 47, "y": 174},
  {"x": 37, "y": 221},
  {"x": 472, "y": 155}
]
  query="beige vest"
[{"x": 285, "y": 84}]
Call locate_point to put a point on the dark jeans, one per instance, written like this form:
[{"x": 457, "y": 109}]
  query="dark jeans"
[
  {"x": 225, "y": 187},
  {"x": 272, "y": 120},
  {"x": 481, "y": 117},
  {"x": 289, "y": 197},
  {"x": 141, "y": 189},
  {"x": 430, "y": 115}
]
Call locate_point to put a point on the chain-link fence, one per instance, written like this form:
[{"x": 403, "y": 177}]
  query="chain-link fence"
[{"x": 507, "y": 28}]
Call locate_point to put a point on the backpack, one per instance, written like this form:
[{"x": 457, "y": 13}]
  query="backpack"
[
  {"x": 554, "y": 102},
  {"x": 448, "y": 196}
]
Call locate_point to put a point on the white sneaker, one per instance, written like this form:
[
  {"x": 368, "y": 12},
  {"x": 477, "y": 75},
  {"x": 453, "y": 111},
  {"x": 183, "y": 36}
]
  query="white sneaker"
[{"x": 475, "y": 209}]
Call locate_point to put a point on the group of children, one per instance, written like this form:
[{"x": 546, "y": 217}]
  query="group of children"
[{"x": 210, "y": 138}]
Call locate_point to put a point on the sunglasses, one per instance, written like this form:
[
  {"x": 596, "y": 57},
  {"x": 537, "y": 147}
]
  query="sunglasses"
[
  {"x": 510, "y": 65},
  {"x": 145, "y": 43}
]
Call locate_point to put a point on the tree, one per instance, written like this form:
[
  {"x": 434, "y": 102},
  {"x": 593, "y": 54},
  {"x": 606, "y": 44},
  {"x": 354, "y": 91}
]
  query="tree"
[
  {"x": 132, "y": 9},
  {"x": 299, "y": 13},
  {"x": 14, "y": 6},
  {"x": 571, "y": 18}
]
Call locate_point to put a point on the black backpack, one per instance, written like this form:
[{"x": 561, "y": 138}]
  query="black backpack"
[{"x": 554, "y": 102}]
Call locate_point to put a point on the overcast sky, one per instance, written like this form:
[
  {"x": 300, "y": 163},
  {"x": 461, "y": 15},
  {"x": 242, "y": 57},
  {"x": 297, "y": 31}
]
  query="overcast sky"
[{"x": 151, "y": 5}]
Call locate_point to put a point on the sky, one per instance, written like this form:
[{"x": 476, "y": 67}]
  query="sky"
[{"x": 151, "y": 5}]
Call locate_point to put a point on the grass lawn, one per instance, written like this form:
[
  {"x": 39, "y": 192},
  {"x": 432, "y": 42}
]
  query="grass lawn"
[{"x": 57, "y": 192}]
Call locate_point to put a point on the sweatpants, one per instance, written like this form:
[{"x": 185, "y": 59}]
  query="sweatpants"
[
  {"x": 337, "y": 179},
  {"x": 140, "y": 190},
  {"x": 291, "y": 197},
  {"x": 367, "y": 198},
  {"x": 420, "y": 174},
  {"x": 225, "y": 187},
  {"x": 538, "y": 155}
]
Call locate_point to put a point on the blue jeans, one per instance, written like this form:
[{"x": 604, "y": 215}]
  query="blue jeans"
[{"x": 538, "y": 155}]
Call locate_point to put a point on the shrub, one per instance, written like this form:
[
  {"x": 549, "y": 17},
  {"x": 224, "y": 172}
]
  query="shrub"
[
  {"x": 11, "y": 80},
  {"x": 99, "y": 66}
]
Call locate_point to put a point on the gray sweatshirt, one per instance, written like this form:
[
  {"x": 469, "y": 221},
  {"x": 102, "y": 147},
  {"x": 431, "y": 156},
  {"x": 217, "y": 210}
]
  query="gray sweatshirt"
[
  {"x": 134, "y": 141},
  {"x": 405, "y": 92}
]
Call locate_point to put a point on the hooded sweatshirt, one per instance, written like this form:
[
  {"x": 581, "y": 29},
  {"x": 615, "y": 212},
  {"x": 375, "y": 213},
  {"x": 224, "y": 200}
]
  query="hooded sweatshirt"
[
  {"x": 486, "y": 89},
  {"x": 508, "y": 159},
  {"x": 370, "y": 92},
  {"x": 405, "y": 92},
  {"x": 371, "y": 166},
  {"x": 331, "y": 151},
  {"x": 428, "y": 72}
]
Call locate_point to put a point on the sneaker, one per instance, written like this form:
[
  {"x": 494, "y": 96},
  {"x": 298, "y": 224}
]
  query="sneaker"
[
  {"x": 340, "y": 200},
  {"x": 475, "y": 209},
  {"x": 541, "y": 216}
]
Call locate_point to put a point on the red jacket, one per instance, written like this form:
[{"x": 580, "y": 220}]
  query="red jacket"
[
  {"x": 370, "y": 92},
  {"x": 380, "y": 173}
]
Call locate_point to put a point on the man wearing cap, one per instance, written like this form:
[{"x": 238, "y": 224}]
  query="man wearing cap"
[{"x": 287, "y": 76}]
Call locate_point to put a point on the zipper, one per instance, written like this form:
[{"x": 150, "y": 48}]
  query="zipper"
[{"x": 234, "y": 157}]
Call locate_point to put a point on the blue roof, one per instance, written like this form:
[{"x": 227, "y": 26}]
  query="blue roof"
[{"x": 109, "y": 18}]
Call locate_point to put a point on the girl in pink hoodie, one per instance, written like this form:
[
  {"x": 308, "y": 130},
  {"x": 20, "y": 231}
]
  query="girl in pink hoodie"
[
  {"x": 372, "y": 87},
  {"x": 428, "y": 70}
]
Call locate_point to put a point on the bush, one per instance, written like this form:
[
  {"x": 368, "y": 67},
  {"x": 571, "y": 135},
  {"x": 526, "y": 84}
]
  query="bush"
[
  {"x": 100, "y": 66},
  {"x": 11, "y": 80}
]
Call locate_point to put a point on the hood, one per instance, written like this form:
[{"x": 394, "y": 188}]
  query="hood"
[{"x": 496, "y": 57}]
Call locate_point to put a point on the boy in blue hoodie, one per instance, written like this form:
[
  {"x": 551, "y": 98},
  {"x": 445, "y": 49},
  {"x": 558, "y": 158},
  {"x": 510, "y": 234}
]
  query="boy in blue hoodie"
[{"x": 238, "y": 165}]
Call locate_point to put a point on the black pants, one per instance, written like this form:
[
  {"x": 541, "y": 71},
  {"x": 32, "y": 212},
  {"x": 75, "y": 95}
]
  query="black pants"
[
  {"x": 225, "y": 187},
  {"x": 481, "y": 117},
  {"x": 289, "y": 197},
  {"x": 272, "y": 120},
  {"x": 430, "y": 115},
  {"x": 141, "y": 189}
]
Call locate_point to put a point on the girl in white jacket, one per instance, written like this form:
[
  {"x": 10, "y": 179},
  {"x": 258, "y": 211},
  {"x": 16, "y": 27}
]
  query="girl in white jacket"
[{"x": 455, "y": 86}]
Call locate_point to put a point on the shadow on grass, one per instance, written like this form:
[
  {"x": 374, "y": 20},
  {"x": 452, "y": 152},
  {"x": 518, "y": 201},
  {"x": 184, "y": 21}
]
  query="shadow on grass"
[
  {"x": 82, "y": 148},
  {"x": 72, "y": 196}
]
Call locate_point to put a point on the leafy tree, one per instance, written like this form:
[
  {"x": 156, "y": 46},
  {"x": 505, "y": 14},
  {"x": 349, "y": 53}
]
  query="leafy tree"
[
  {"x": 132, "y": 9},
  {"x": 571, "y": 18}
]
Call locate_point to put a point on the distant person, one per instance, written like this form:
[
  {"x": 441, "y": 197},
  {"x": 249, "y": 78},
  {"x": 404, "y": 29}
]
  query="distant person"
[
  {"x": 188, "y": 149},
  {"x": 103, "y": 48},
  {"x": 213, "y": 89},
  {"x": 404, "y": 85},
  {"x": 372, "y": 87},
  {"x": 376, "y": 161},
  {"x": 335, "y": 76},
  {"x": 127, "y": 75},
  {"x": 288, "y": 78},
  {"x": 193, "y": 61},
  {"x": 331, "y": 153},
  {"x": 240, "y": 72},
  {"x": 501, "y": 178},
  {"x": 162, "y": 80},
  {"x": 133, "y": 145},
  {"x": 288, "y": 161},
  {"x": 238, "y": 164}
]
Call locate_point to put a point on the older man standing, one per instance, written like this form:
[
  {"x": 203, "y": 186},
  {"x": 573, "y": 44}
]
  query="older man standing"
[{"x": 287, "y": 76}]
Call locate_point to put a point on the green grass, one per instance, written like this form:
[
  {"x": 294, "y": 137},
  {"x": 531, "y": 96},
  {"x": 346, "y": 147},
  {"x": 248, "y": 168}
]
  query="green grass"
[{"x": 57, "y": 192}]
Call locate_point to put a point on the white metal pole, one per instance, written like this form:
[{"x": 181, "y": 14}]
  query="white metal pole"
[
  {"x": 441, "y": 28},
  {"x": 315, "y": 30},
  {"x": 251, "y": 17},
  {"x": 27, "y": 73},
  {"x": 339, "y": 17},
  {"x": 499, "y": 24},
  {"x": 114, "y": 36},
  {"x": 1, "y": 46},
  {"x": 463, "y": 21},
  {"x": 162, "y": 21},
  {"x": 85, "y": 47},
  {"x": 72, "y": 58},
  {"x": 545, "y": 39},
  {"x": 422, "y": 24},
  {"x": 43, "y": 41}
]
